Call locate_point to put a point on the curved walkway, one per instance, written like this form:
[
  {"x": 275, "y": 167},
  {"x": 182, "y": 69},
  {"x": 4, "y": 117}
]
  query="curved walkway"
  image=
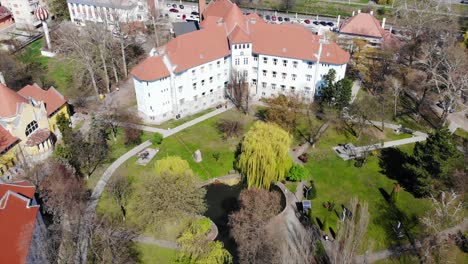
[{"x": 90, "y": 212}]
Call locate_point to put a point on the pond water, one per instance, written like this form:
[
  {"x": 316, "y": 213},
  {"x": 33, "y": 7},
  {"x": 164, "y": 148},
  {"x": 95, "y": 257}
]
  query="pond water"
[{"x": 222, "y": 200}]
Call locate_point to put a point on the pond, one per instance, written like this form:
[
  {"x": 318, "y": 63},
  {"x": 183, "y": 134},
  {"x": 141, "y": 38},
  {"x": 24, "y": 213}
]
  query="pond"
[{"x": 222, "y": 200}]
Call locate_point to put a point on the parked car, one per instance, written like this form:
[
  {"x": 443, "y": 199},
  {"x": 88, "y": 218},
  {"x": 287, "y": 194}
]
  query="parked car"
[
  {"x": 195, "y": 13},
  {"x": 323, "y": 23},
  {"x": 273, "y": 18},
  {"x": 330, "y": 24},
  {"x": 174, "y": 5},
  {"x": 316, "y": 22},
  {"x": 173, "y": 10},
  {"x": 287, "y": 19},
  {"x": 267, "y": 17},
  {"x": 181, "y": 6},
  {"x": 307, "y": 21},
  {"x": 280, "y": 19}
]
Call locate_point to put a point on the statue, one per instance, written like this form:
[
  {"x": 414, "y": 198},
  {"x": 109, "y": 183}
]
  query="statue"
[{"x": 197, "y": 156}]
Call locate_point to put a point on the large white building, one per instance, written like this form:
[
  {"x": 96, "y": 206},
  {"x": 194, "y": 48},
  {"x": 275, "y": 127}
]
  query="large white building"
[
  {"x": 23, "y": 12},
  {"x": 100, "y": 11},
  {"x": 191, "y": 72}
]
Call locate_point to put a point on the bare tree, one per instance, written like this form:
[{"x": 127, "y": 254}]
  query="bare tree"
[
  {"x": 120, "y": 189},
  {"x": 351, "y": 232},
  {"x": 396, "y": 87},
  {"x": 238, "y": 91}
]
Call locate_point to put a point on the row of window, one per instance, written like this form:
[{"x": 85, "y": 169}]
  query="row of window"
[
  {"x": 282, "y": 87},
  {"x": 283, "y": 75},
  {"x": 237, "y": 61},
  {"x": 242, "y": 46},
  {"x": 210, "y": 67}
]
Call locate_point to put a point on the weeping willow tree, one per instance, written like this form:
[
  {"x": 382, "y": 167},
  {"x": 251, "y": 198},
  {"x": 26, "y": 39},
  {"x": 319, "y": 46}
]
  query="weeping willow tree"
[{"x": 265, "y": 155}]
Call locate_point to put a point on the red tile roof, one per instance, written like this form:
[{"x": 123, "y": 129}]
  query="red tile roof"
[
  {"x": 17, "y": 221},
  {"x": 224, "y": 20},
  {"x": 38, "y": 137},
  {"x": 10, "y": 101},
  {"x": 363, "y": 24},
  {"x": 152, "y": 68},
  {"x": 6, "y": 139},
  {"x": 52, "y": 98}
]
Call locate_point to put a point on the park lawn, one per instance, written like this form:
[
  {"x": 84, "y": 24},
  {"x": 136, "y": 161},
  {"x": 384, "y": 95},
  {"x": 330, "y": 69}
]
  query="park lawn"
[
  {"x": 177, "y": 122},
  {"x": 151, "y": 254},
  {"x": 57, "y": 72},
  {"x": 338, "y": 181}
]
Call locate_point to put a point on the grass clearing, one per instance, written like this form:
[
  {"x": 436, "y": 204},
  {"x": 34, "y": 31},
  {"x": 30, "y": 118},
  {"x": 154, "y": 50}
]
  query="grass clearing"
[
  {"x": 177, "y": 122},
  {"x": 151, "y": 254}
]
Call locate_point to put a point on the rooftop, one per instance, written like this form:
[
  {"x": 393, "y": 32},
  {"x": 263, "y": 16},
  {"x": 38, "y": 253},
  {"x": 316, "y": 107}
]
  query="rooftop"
[
  {"x": 6, "y": 139},
  {"x": 10, "y": 101},
  {"x": 52, "y": 98},
  {"x": 363, "y": 24}
]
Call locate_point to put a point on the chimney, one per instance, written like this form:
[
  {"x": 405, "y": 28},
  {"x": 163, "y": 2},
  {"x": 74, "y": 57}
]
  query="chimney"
[
  {"x": 352, "y": 14},
  {"x": 201, "y": 8},
  {"x": 371, "y": 12},
  {"x": 2, "y": 79},
  {"x": 383, "y": 23},
  {"x": 338, "y": 22},
  {"x": 359, "y": 11}
]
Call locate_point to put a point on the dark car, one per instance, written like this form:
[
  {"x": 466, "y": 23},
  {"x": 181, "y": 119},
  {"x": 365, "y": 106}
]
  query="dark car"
[
  {"x": 195, "y": 13},
  {"x": 267, "y": 17},
  {"x": 287, "y": 19},
  {"x": 280, "y": 19},
  {"x": 330, "y": 24},
  {"x": 323, "y": 23},
  {"x": 174, "y": 5},
  {"x": 181, "y": 6},
  {"x": 307, "y": 21},
  {"x": 316, "y": 22},
  {"x": 173, "y": 10}
]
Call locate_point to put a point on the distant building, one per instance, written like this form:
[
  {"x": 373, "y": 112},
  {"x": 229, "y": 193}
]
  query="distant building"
[
  {"x": 192, "y": 71},
  {"x": 366, "y": 27},
  {"x": 22, "y": 229},
  {"x": 23, "y": 12},
  {"x": 6, "y": 19},
  {"x": 108, "y": 11},
  {"x": 28, "y": 124}
]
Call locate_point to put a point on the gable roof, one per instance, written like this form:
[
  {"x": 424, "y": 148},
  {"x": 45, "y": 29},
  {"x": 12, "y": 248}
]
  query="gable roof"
[
  {"x": 363, "y": 24},
  {"x": 238, "y": 35},
  {"x": 10, "y": 101},
  {"x": 17, "y": 222},
  {"x": 150, "y": 69},
  {"x": 6, "y": 139},
  {"x": 52, "y": 98},
  {"x": 217, "y": 8}
]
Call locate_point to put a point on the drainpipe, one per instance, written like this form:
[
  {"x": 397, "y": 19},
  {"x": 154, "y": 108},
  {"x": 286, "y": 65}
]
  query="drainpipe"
[
  {"x": 383, "y": 23},
  {"x": 338, "y": 22},
  {"x": 2, "y": 79}
]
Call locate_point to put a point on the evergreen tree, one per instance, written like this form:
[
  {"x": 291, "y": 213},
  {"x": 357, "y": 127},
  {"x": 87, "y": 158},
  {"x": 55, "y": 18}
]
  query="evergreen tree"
[
  {"x": 336, "y": 93},
  {"x": 264, "y": 155}
]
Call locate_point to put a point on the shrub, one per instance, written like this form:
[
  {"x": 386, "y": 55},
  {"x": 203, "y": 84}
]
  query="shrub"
[
  {"x": 157, "y": 138},
  {"x": 132, "y": 136},
  {"x": 312, "y": 193},
  {"x": 230, "y": 127},
  {"x": 296, "y": 173}
]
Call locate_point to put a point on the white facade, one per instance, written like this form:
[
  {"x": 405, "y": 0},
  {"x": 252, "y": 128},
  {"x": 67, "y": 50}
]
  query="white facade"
[
  {"x": 101, "y": 11},
  {"x": 23, "y": 12},
  {"x": 204, "y": 86}
]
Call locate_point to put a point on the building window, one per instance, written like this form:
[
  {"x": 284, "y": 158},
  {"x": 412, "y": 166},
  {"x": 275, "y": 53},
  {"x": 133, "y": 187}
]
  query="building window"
[
  {"x": 307, "y": 89},
  {"x": 255, "y": 57},
  {"x": 195, "y": 98},
  {"x": 293, "y": 88},
  {"x": 274, "y": 74},
  {"x": 246, "y": 61},
  {"x": 243, "y": 46},
  {"x": 203, "y": 94},
  {"x": 202, "y": 69},
  {"x": 245, "y": 73},
  {"x": 293, "y": 77},
  {"x": 180, "y": 89},
  {"x": 254, "y": 81},
  {"x": 309, "y": 77},
  {"x": 225, "y": 72},
  {"x": 211, "y": 79},
  {"x": 295, "y": 64},
  {"x": 265, "y": 60},
  {"x": 218, "y": 64},
  {"x": 264, "y": 73},
  {"x": 285, "y": 63},
  {"x": 218, "y": 76},
  {"x": 309, "y": 65},
  {"x": 263, "y": 93},
  {"x": 181, "y": 101},
  {"x": 235, "y": 46},
  {"x": 273, "y": 86},
  {"x": 202, "y": 82},
  {"x": 210, "y": 66},
  {"x": 194, "y": 86},
  {"x": 284, "y": 75},
  {"x": 283, "y": 88},
  {"x": 264, "y": 84},
  {"x": 31, "y": 127},
  {"x": 255, "y": 69},
  {"x": 237, "y": 61},
  {"x": 275, "y": 61},
  {"x": 149, "y": 95}
]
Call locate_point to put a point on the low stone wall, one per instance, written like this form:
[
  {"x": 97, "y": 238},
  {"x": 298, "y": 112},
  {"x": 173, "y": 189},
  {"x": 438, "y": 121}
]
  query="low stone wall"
[{"x": 231, "y": 179}]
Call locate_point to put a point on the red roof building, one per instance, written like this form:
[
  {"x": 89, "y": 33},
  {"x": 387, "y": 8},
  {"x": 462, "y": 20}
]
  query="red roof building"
[
  {"x": 18, "y": 216},
  {"x": 6, "y": 19},
  {"x": 52, "y": 99}
]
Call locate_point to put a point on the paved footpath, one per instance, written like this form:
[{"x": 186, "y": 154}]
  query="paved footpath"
[{"x": 90, "y": 212}]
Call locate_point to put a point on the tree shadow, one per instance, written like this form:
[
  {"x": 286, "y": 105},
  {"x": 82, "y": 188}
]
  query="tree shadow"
[
  {"x": 392, "y": 163},
  {"x": 319, "y": 223},
  {"x": 385, "y": 194}
]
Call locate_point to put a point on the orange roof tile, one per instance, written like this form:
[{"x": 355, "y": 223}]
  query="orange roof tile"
[
  {"x": 6, "y": 139},
  {"x": 10, "y": 101},
  {"x": 363, "y": 24},
  {"x": 217, "y": 8},
  {"x": 17, "y": 221},
  {"x": 152, "y": 68},
  {"x": 52, "y": 98},
  {"x": 24, "y": 188},
  {"x": 238, "y": 35},
  {"x": 233, "y": 18}
]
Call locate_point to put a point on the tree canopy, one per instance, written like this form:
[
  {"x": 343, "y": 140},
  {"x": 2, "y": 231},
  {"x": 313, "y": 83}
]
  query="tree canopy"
[
  {"x": 264, "y": 155},
  {"x": 337, "y": 93},
  {"x": 172, "y": 165}
]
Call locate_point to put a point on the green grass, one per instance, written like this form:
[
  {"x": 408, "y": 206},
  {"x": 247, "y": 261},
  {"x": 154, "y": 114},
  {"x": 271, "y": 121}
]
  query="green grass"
[
  {"x": 150, "y": 254},
  {"x": 461, "y": 133},
  {"x": 292, "y": 186},
  {"x": 337, "y": 180},
  {"x": 56, "y": 72},
  {"x": 177, "y": 122}
]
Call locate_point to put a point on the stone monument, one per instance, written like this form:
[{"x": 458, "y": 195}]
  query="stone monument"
[{"x": 197, "y": 156}]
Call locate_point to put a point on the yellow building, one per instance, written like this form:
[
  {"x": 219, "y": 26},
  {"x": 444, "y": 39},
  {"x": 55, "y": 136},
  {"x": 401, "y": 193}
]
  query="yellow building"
[{"x": 28, "y": 124}]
